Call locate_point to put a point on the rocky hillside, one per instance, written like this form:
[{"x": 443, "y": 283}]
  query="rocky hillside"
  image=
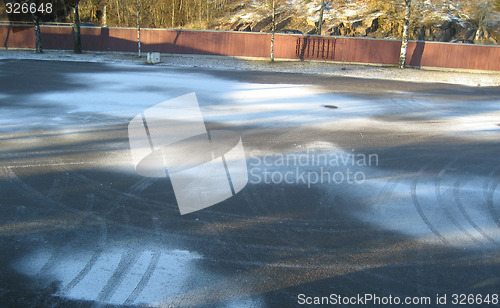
[{"x": 431, "y": 20}]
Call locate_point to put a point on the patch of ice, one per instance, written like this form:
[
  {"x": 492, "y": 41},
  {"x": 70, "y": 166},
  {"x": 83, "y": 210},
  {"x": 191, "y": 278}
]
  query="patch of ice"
[
  {"x": 433, "y": 214},
  {"x": 174, "y": 273}
]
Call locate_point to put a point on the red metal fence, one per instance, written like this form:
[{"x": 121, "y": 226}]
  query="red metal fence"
[{"x": 246, "y": 44}]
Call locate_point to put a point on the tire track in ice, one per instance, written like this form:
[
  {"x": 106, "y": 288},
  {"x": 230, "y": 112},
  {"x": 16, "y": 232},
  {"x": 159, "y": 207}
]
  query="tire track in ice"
[
  {"x": 488, "y": 180},
  {"x": 128, "y": 259},
  {"x": 58, "y": 255},
  {"x": 491, "y": 205},
  {"x": 143, "y": 282},
  {"x": 153, "y": 263},
  {"x": 440, "y": 191},
  {"x": 90, "y": 264},
  {"x": 439, "y": 197},
  {"x": 458, "y": 201},
  {"x": 418, "y": 207},
  {"x": 51, "y": 262},
  {"x": 54, "y": 256}
]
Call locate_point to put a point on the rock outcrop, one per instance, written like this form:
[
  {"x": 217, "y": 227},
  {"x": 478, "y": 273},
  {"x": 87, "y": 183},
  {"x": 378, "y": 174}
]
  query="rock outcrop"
[{"x": 374, "y": 23}]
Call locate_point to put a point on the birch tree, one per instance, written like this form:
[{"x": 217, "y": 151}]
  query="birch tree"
[
  {"x": 273, "y": 29},
  {"x": 138, "y": 29},
  {"x": 273, "y": 7},
  {"x": 406, "y": 34}
]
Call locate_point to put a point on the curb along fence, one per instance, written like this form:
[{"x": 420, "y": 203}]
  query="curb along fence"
[{"x": 247, "y": 44}]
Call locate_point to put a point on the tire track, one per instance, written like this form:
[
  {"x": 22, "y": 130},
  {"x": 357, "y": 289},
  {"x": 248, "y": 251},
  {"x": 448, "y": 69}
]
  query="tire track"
[
  {"x": 418, "y": 207},
  {"x": 145, "y": 279},
  {"x": 131, "y": 193},
  {"x": 127, "y": 260},
  {"x": 439, "y": 197},
  {"x": 35, "y": 193},
  {"x": 491, "y": 206},
  {"x": 133, "y": 190},
  {"x": 489, "y": 179},
  {"x": 153, "y": 263},
  {"x": 93, "y": 259},
  {"x": 54, "y": 188},
  {"x": 51, "y": 262},
  {"x": 388, "y": 189},
  {"x": 456, "y": 192},
  {"x": 489, "y": 193}
]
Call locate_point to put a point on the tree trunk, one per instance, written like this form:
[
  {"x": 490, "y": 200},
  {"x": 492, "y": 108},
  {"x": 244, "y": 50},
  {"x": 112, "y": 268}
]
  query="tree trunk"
[
  {"x": 76, "y": 27},
  {"x": 200, "y": 14},
  {"x": 404, "y": 41},
  {"x": 320, "y": 23},
  {"x": 273, "y": 30},
  {"x": 138, "y": 32},
  {"x": 105, "y": 16},
  {"x": 38, "y": 37},
  {"x": 181, "y": 13},
  {"x": 173, "y": 13},
  {"x": 118, "y": 13}
]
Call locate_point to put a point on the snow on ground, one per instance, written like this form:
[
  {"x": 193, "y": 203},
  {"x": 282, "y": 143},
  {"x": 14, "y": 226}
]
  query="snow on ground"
[
  {"x": 308, "y": 67},
  {"x": 176, "y": 271},
  {"x": 331, "y": 12},
  {"x": 445, "y": 208}
]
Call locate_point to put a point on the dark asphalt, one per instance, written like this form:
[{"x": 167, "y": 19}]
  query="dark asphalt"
[{"x": 79, "y": 229}]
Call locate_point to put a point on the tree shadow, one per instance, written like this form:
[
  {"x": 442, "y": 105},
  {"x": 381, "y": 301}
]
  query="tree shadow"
[{"x": 416, "y": 55}]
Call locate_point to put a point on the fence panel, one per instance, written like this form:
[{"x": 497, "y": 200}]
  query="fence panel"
[{"x": 244, "y": 44}]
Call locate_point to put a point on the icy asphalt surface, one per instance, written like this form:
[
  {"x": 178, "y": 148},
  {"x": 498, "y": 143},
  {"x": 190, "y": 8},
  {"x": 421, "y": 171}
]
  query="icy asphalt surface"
[{"x": 79, "y": 228}]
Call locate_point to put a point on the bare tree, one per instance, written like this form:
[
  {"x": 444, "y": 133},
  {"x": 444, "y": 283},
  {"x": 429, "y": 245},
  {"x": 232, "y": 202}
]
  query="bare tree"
[
  {"x": 272, "y": 7},
  {"x": 32, "y": 7},
  {"x": 76, "y": 27},
  {"x": 406, "y": 34},
  {"x": 38, "y": 34},
  {"x": 273, "y": 29},
  {"x": 77, "y": 42},
  {"x": 173, "y": 13},
  {"x": 105, "y": 16},
  {"x": 138, "y": 30},
  {"x": 320, "y": 22}
]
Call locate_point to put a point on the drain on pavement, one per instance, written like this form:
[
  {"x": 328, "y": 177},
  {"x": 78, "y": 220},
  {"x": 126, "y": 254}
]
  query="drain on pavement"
[{"x": 330, "y": 106}]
